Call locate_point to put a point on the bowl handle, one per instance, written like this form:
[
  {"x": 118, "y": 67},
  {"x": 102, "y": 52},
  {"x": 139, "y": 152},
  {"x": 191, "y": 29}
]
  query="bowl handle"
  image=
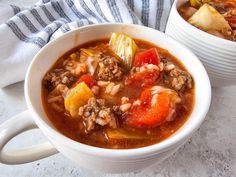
[{"x": 13, "y": 127}]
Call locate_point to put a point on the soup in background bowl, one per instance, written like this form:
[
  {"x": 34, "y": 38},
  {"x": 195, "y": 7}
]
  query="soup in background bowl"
[
  {"x": 217, "y": 51},
  {"x": 102, "y": 156},
  {"x": 216, "y": 17}
]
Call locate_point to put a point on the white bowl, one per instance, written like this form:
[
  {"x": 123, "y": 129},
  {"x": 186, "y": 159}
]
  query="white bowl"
[
  {"x": 108, "y": 160},
  {"x": 218, "y": 55}
]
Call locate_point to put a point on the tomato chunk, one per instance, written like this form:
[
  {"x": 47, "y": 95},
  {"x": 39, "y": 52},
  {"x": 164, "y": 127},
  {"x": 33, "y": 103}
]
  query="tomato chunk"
[
  {"x": 232, "y": 21},
  {"x": 87, "y": 79},
  {"x": 149, "y": 56},
  {"x": 148, "y": 115},
  {"x": 143, "y": 79}
]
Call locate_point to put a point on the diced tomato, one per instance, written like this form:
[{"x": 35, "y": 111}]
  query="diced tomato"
[
  {"x": 232, "y": 21},
  {"x": 149, "y": 56},
  {"x": 143, "y": 79},
  {"x": 146, "y": 96},
  {"x": 229, "y": 4},
  {"x": 87, "y": 79},
  {"x": 147, "y": 115}
]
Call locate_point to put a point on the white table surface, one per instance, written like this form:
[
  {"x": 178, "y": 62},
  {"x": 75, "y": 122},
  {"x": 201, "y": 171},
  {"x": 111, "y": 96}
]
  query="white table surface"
[{"x": 211, "y": 152}]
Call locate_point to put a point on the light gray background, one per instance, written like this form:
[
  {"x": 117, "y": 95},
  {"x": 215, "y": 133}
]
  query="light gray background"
[{"x": 211, "y": 152}]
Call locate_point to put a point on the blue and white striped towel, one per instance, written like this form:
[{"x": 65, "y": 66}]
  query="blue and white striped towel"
[{"x": 23, "y": 31}]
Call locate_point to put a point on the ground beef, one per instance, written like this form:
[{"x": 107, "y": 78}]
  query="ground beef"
[
  {"x": 96, "y": 112},
  {"x": 178, "y": 79},
  {"x": 163, "y": 59},
  {"x": 117, "y": 110},
  {"x": 58, "y": 76},
  {"x": 66, "y": 75},
  {"x": 219, "y": 6},
  {"x": 109, "y": 69},
  {"x": 233, "y": 36},
  {"x": 229, "y": 34},
  {"x": 230, "y": 13}
]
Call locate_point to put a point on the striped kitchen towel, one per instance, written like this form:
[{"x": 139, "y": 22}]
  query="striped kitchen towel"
[{"x": 24, "y": 30}]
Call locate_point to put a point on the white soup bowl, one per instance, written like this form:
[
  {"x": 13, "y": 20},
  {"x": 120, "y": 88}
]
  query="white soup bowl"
[{"x": 107, "y": 160}]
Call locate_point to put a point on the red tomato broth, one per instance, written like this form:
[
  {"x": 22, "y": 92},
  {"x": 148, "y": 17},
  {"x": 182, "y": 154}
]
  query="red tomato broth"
[{"x": 72, "y": 127}]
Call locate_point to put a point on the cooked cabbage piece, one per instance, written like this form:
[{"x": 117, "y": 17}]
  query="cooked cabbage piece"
[
  {"x": 123, "y": 134},
  {"x": 89, "y": 52},
  {"x": 123, "y": 46},
  {"x": 208, "y": 18},
  {"x": 90, "y": 57},
  {"x": 77, "y": 97}
]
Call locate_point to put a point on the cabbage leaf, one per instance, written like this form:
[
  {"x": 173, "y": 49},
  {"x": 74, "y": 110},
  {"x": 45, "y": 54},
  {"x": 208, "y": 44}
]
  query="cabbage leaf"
[
  {"x": 208, "y": 18},
  {"x": 123, "y": 46}
]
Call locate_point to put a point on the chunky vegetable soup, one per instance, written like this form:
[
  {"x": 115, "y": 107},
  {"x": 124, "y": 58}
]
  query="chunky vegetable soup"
[
  {"x": 118, "y": 93},
  {"x": 216, "y": 17}
]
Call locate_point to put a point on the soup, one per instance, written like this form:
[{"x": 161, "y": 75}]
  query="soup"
[
  {"x": 216, "y": 17},
  {"x": 118, "y": 93}
]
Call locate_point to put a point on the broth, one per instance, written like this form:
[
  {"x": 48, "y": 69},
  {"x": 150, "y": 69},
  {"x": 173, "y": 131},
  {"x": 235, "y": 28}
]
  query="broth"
[{"x": 139, "y": 136}]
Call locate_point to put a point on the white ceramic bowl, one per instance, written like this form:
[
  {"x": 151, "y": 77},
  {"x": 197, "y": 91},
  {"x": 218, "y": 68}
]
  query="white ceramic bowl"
[
  {"x": 108, "y": 160},
  {"x": 218, "y": 55}
]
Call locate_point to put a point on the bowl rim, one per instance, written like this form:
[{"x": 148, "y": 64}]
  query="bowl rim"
[
  {"x": 205, "y": 34},
  {"x": 160, "y": 147}
]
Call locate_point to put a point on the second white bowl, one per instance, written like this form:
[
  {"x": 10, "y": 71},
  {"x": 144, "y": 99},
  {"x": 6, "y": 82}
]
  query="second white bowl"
[{"x": 218, "y": 55}]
